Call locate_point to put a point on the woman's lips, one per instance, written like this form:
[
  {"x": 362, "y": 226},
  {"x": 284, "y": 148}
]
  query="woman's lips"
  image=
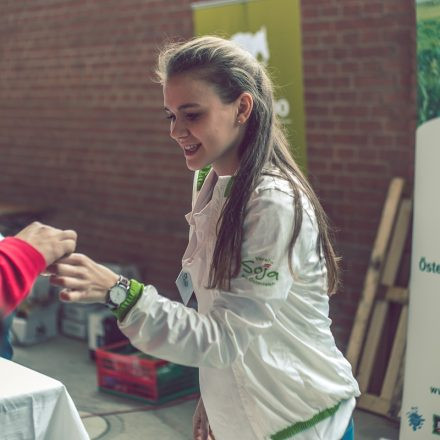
[{"x": 191, "y": 149}]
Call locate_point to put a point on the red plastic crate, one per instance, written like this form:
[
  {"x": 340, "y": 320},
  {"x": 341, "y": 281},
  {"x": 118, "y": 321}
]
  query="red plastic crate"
[{"x": 124, "y": 370}]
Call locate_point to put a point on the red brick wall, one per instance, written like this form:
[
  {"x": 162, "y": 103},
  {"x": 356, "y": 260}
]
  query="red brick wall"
[
  {"x": 359, "y": 70},
  {"x": 82, "y": 127}
]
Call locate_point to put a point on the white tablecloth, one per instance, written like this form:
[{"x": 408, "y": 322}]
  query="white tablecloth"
[{"x": 36, "y": 407}]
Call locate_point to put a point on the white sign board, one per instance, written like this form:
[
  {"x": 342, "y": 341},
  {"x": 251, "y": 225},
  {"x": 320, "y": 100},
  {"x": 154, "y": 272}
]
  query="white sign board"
[{"x": 420, "y": 413}]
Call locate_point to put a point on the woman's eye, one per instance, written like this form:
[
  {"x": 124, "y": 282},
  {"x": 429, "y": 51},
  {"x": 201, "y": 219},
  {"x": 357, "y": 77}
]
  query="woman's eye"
[
  {"x": 170, "y": 117},
  {"x": 192, "y": 116}
]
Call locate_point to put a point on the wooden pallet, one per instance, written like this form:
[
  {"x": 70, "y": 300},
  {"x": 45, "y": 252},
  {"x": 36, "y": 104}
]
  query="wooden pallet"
[{"x": 379, "y": 373}]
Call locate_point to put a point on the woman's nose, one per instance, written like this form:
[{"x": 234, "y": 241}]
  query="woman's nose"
[{"x": 178, "y": 130}]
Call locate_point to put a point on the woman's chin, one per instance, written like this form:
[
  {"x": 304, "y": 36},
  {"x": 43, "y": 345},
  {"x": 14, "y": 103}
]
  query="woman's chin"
[
  {"x": 195, "y": 165},
  {"x": 192, "y": 167}
]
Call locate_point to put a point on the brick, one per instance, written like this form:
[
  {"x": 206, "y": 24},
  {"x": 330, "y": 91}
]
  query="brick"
[{"x": 373, "y": 8}]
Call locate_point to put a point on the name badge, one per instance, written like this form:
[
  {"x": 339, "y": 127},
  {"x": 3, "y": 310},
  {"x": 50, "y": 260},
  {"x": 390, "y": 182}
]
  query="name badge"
[{"x": 185, "y": 286}]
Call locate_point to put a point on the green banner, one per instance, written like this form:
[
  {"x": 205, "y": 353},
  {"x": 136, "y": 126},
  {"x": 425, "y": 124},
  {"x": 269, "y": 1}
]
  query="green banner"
[
  {"x": 428, "y": 59},
  {"x": 271, "y": 31}
]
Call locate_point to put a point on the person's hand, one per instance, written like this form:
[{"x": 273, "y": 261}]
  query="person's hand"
[
  {"x": 201, "y": 429},
  {"x": 51, "y": 242},
  {"x": 82, "y": 279}
]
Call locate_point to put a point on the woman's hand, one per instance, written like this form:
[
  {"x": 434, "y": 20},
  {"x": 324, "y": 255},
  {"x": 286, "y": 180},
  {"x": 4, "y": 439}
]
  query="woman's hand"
[
  {"x": 201, "y": 429},
  {"x": 82, "y": 279}
]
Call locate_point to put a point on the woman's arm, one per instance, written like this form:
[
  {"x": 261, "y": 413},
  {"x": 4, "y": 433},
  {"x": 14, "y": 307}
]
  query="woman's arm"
[
  {"x": 20, "y": 265},
  {"x": 169, "y": 330}
]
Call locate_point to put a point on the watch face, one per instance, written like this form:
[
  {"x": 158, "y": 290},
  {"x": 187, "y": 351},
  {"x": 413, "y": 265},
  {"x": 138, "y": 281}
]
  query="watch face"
[{"x": 118, "y": 294}]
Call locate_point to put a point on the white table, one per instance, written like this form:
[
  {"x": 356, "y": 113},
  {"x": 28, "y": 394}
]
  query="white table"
[{"x": 36, "y": 407}]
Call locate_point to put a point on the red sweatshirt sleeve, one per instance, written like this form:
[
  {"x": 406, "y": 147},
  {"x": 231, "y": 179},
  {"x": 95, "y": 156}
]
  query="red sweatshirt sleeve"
[{"x": 20, "y": 264}]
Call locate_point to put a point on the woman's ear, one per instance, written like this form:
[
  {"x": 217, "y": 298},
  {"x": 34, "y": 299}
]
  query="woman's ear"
[{"x": 245, "y": 105}]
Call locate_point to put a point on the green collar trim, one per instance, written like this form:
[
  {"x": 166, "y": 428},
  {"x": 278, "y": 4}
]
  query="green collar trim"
[
  {"x": 201, "y": 177},
  {"x": 229, "y": 186},
  {"x": 294, "y": 429}
]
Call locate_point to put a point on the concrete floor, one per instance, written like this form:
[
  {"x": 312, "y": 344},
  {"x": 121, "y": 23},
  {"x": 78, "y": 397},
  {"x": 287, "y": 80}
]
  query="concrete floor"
[{"x": 107, "y": 417}]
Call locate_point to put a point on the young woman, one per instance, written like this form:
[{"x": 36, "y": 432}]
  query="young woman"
[{"x": 259, "y": 260}]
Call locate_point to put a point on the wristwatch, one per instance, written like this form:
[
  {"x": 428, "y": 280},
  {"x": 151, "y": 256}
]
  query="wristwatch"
[{"x": 117, "y": 294}]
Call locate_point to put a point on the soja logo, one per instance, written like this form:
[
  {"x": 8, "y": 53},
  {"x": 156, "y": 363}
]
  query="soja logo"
[
  {"x": 259, "y": 271},
  {"x": 415, "y": 420}
]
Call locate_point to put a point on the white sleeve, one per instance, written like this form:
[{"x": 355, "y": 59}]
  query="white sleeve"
[{"x": 169, "y": 330}]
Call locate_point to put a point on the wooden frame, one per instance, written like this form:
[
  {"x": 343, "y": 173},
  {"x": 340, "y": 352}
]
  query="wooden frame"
[{"x": 371, "y": 317}]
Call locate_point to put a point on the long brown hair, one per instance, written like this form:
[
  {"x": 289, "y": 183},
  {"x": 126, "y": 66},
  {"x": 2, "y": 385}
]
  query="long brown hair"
[{"x": 232, "y": 71}]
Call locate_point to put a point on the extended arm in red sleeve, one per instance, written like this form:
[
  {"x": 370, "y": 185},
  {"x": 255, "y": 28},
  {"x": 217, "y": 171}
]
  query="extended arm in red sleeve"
[{"x": 20, "y": 264}]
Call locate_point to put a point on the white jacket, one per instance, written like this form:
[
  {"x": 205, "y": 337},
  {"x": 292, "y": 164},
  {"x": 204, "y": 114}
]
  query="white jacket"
[{"x": 265, "y": 352}]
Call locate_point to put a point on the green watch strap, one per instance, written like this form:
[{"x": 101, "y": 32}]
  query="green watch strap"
[{"x": 134, "y": 293}]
